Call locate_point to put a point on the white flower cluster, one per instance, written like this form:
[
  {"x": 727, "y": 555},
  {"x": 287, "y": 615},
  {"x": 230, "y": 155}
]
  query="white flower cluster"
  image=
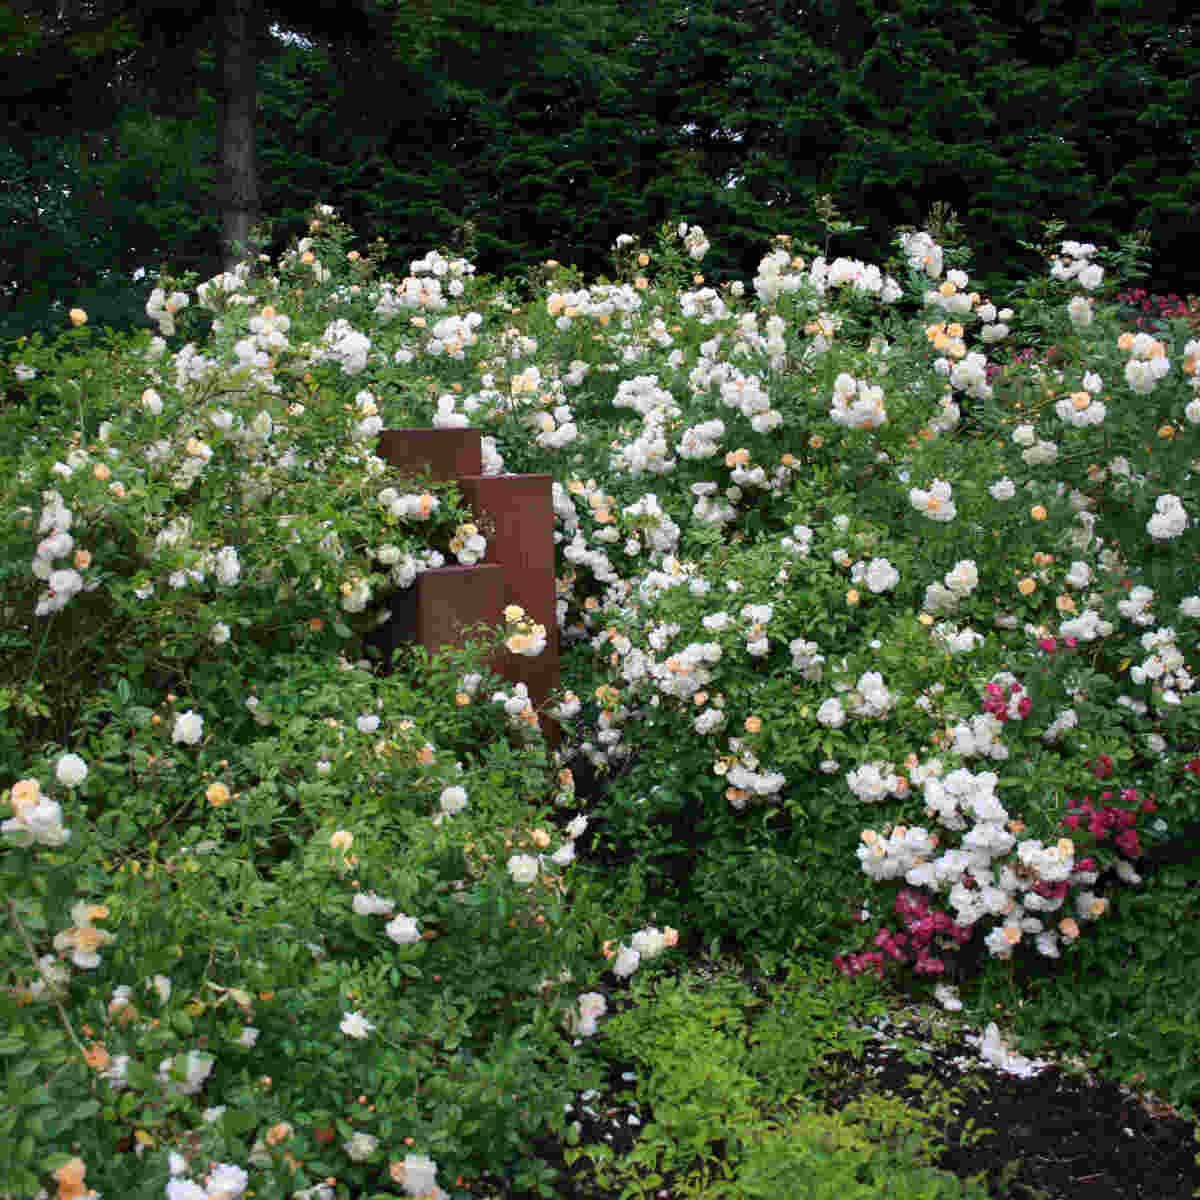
[
  {"x": 807, "y": 659},
  {"x": 522, "y": 716},
  {"x": 556, "y": 427},
  {"x": 468, "y": 545},
  {"x": 1073, "y": 264},
  {"x": 875, "y": 781},
  {"x": 969, "y": 375},
  {"x": 977, "y": 887},
  {"x": 710, "y": 509},
  {"x": 410, "y": 506},
  {"x": 701, "y": 441},
  {"x": 453, "y": 335},
  {"x": 994, "y": 328},
  {"x": 685, "y": 673},
  {"x": 1067, "y": 719},
  {"x": 746, "y": 780},
  {"x": 993, "y": 1049},
  {"x": 747, "y": 394},
  {"x": 578, "y": 553},
  {"x": 162, "y": 308},
  {"x": 696, "y": 244},
  {"x": 270, "y": 330},
  {"x": 957, "y": 584},
  {"x": 522, "y": 635},
  {"x": 758, "y": 617},
  {"x": 225, "y": 289},
  {"x": 1191, "y": 368},
  {"x": 36, "y": 818},
  {"x": 710, "y": 720},
  {"x": 415, "y": 291},
  {"x": 650, "y": 451},
  {"x": 1136, "y": 605},
  {"x": 590, "y": 1007},
  {"x": 950, "y": 796},
  {"x": 856, "y": 403},
  {"x": 893, "y": 856},
  {"x": 370, "y": 904},
  {"x": 1147, "y": 364},
  {"x": 1079, "y": 575},
  {"x": 778, "y": 272},
  {"x": 418, "y": 1176},
  {"x": 979, "y": 737},
  {"x": 184, "y": 1074},
  {"x": 1086, "y": 627},
  {"x": 344, "y": 345},
  {"x": 799, "y": 542},
  {"x": 937, "y": 503},
  {"x": 957, "y": 641},
  {"x": 652, "y": 524},
  {"x": 922, "y": 253},
  {"x": 62, "y": 583},
  {"x": 879, "y": 575},
  {"x": 870, "y": 697},
  {"x": 865, "y": 278},
  {"x": 750, "y": 342},
  {"x": 947, "y": 417},
  {"x": 1169, "y": 519},
  {"x": 188, "y": 729},
  {"x": 1080, "y": 312},
  {"x": 706, "y": 305},
  {"x": 951, "y": 295},
  {"x": 1165, "y": 668}
]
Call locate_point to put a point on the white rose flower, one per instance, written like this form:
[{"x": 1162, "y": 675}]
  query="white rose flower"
[
  {"x": 369, "y": 904},
  {"x": 189, "y": 728},
  {"x": 627, "y": 962},
  {"x": 70, "y": 770},
  {"x": 355, "y": 1025},
  {"x": 404, "y": 931},
  {"x": 523, "y": 868},
  {"x": 360, "y": 1146},
  {"x": 453, "y": 800}
]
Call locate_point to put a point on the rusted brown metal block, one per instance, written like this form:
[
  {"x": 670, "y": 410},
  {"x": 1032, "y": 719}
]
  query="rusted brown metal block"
[
  {"x": 441, "y": 454},
  {"x": 452, "y": 599},
  {"x": 516, "y": 513}
]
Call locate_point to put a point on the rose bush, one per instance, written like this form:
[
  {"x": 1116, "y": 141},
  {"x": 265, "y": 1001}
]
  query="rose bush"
[{"x": 822, "y": 568}]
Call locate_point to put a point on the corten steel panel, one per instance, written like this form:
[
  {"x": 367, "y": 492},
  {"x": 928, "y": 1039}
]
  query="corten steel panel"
[
  {"x": 521, "y": 539},
  {"x": 442, "y": 454},
  {"x": 449, "y": 599}
]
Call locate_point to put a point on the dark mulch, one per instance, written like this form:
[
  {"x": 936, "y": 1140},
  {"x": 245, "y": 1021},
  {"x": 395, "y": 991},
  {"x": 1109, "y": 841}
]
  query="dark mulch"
[
  {"x": 1056, "y": 1136},
  {"x": 1059, "y": 1135}
]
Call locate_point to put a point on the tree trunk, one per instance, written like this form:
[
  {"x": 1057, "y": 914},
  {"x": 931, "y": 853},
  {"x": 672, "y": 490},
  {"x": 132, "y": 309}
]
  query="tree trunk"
[{"x": 238, "y": 28}]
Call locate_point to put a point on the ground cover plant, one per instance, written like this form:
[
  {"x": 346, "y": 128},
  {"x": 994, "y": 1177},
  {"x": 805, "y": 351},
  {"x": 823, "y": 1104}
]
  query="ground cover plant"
[{"x": 878, "y": 675}]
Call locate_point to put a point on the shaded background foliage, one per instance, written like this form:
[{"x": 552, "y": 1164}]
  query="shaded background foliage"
[{"x": 550, "y": 129}]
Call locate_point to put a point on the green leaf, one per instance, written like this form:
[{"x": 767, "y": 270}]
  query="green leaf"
[{"x": 82, "y": 1112}]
